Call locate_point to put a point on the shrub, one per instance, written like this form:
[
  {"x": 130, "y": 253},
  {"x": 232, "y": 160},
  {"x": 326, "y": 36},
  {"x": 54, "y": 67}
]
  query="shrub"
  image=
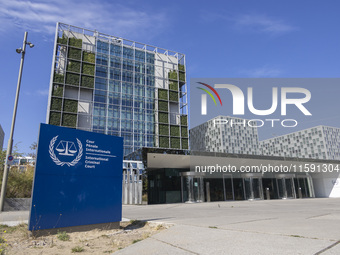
[
  {"x": 75, "y": 42},
  {"x": 162, "y": 94},
  {"x": 163, "y": 117},
  {"x": 62, "y": 40},
  {"x": 175, "y": 142},
  {"x": 87, "y": 81},
  {"x": 70, "y": 106},
  {"x": 88, "y": 57},
  {"x": 162, "y": 106},
  {"x": 55, "y": 118},
  {"x": 73, "y": 66},
  {"x": 184, "y": 120},
  {"x": 57, "y": 90},
  {"x": 88, "y": 69},
  {"x": 184, "y": 131},
  {"x": 173, "y": 75},
  {"x": 185, "y": 145},
  {"x": 59, "y": 78},
  {"x": 72, "y": 79},
  {"x": 174, "y": 130},
  {"x": 63, "y": 236},
  {"x": 173, "y": 96},
  {"x": 19, "y": 184},
  {"x": 173, "y": 85},
  {"x": 56, "y": 104},
  {"x": 182, "y": 76},
  {"x": 69, "y": 120},
  {"x": 74, "y": 53},
  {"x": 163, "y": 142},
  {"x": 163, "y": 129},
  {"x": 181, "y": 67}
]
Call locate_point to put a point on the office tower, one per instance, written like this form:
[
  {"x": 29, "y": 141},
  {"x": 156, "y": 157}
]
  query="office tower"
[
  {"x": 115, "y": 86},
  {"x": 225, "y": 134},
  {"x": 319, "y": 142}
]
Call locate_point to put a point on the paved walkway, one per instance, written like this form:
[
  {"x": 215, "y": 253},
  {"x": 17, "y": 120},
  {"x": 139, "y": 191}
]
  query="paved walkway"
[{"x": 309, "y": 226}]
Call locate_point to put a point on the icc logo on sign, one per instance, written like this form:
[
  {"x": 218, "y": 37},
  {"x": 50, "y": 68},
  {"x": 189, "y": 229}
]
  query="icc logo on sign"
[{"x": 66, "y": 149}]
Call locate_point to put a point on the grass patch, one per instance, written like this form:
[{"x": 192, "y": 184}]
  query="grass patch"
[
  {"x": 136, "y": 241},
  {"x": 297, "y": 236},
  {"x": 77, "y": 249},
  {"x": 63, "y": 236},
  {"x": 212, "y": 227}
]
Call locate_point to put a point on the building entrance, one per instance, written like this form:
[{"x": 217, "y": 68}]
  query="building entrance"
[
  {"x": 228, "y": 187},
  {"x": 252, "y": 186},
  {"x": 285, "y": 186},
  {"x": 304, "y": 186},
  {"x": 192, "y": 187}
]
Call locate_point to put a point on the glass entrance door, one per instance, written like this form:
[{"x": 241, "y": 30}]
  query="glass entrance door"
[
  {"x": 304, "y": 186},
  {"x": 192, "y": 187},
  {"x": 253, "y": 187},
  {"x": 228, "y": 187},
  {"x": 285, "y": 186}
]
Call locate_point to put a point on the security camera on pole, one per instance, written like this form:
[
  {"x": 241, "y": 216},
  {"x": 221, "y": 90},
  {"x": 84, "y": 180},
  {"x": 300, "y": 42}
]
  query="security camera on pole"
[{"x": 10, "y": 141}]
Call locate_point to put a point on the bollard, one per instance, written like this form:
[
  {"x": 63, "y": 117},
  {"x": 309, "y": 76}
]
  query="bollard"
[
  {"x": 267, "y": 194},
  {"x": 300, "y": 192}
]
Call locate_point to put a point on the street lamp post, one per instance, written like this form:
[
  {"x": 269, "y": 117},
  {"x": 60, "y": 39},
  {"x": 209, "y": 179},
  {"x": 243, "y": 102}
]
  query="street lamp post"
[{"x": 10, "y": 141}]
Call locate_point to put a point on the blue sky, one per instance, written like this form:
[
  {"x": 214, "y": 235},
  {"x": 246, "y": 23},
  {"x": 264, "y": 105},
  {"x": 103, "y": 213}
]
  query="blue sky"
[{"x": 229, "y": 38}]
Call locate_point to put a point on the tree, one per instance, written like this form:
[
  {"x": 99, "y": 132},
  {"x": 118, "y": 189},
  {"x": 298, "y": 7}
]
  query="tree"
[{"x": 33, "y": 148}]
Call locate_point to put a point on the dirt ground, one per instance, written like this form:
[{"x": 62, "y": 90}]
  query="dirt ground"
[{"x": 18, "y": 240}]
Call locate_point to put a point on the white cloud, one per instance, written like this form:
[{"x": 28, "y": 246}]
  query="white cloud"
[
  {"x": 43, "y": 92},
  {"x": 262, "y": 72},
  {"x": 263, "y": 24},
  {"x": 250, "y": 22},
  {"x": 107, "y": 17}
]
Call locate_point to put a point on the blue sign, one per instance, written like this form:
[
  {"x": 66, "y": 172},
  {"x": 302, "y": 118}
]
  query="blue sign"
[
  {"x": 78, "y": 179},
  {"x": 10, "y": 158}
]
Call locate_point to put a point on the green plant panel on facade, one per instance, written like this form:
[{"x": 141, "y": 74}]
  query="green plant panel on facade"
[
  {"x": 184, "y": 131},
  {"x": 69, "y": 120},
  {"x": 72, "y": 79},
  {"x": 57, "y": 90},
  {"x": 56, "y": 104},
  {"x": 163, "y": 129},
  {"x": 174, "y": 130},
  {"x": 173, "y": 75},
  {"x": 173, "y": 85},
  {"x": 185, "y": 144},
  {"x": 87, "y": 81},
  {"x": 89, "y": 57},
  {"x": 175, "y": 143},
  {"x": 55, "y": 118},
  {"x": 70, "y": 106},
  {"x": 163, "y": 117},
  {"x": 73, "y": 66},
  {"x": 62, "y": 40},
  {"x": 173, "y": 96},
  {"x": 75, "y": 42},
  {"x": 74, "y": 53},
  {"x": 59, "y": 78},
  {"x": 181, "y": 67},
  {"x": 182, "y": 76},
  {"x": 163, "y": 106},
  {"x": 88, "y": 69},
  {"x": 184, "y": 120},
  {"x": 163, "y": 142},
  {"x": 162, "y": 94}
]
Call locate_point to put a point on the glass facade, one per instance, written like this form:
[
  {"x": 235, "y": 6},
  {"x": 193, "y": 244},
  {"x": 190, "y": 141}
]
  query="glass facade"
[{"x": 115, "y": 86}]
